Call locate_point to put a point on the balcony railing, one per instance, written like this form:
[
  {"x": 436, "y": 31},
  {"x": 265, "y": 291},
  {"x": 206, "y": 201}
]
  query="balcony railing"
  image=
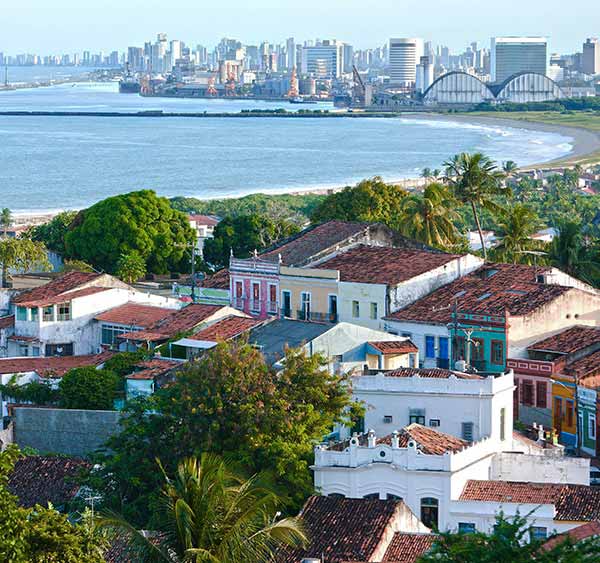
[{"x": 304, "y": 315}]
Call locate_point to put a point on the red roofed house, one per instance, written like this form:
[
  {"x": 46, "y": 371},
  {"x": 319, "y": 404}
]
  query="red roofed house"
[
  {"x": 57, "y": 319},
  {"x": 204, "y": 226}
]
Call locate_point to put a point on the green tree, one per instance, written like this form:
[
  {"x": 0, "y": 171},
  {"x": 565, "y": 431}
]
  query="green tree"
[
  {"x": 431, "y": 218},
  {"x": 516, "y": 226},
  {"x": 76, "y": 266},
  {"x": 509, "y": 167},
  {"x": 570, "y": 252},
  {"x": 210, "y": 514},
  {"x": 88, "y": 388},
  {"x": 228, "y": 402},
  {"x": 511, "y": 540},
  {"x": 53, "y": 233},
  {"x": 138, "y": 221},
  {"x": 476, "y": 181},
  {"x": 244, "y": 234},
  {"x": 131, "y": 267},
  {"x": 123, "y": 363},
  {"x": 371, "y": 200},
  {"x": 5, "y": 220},
  {"x": 21, "y": 254}
]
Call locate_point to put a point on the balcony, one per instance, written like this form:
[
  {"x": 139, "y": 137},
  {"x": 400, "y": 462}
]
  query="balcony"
[{"x": 304, "y": 315}]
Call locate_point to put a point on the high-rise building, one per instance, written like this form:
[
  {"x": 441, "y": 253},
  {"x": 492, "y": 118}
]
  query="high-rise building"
[
  {"x": 511, "y": 55},
  {"x": 290, "y": 53},
  {"x": 404, "y": 56},
  {"x": 324, "y": 60},
  {"x": 348, "y": 58},
  {"x": 590, "y": 60}
]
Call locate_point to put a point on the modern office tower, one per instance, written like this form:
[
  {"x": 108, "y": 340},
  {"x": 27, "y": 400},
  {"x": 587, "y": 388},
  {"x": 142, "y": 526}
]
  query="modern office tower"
[
  {"x": 404, "y": 56},
  {"x": 324, "y": 60},
  {"x": 511, "y": 55},
  {"x": 348, "y": 58},
  {"x": 135, "y": 58},
  {"x": 424, "y": 74},
  {"x": 590, "y": 60},
  {"x": 86, "y": 58},
  {"x": 290, "y": 51},
  {"x": 175, "y": 51}
]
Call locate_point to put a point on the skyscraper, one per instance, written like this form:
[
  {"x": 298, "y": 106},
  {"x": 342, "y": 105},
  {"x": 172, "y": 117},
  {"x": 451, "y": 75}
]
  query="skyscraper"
[
  {"x": 590, "y": 62},
  {"x": 290, "y": 53},
  {"x": 511, "y": 55},
  {"x": 324, "y": 60},
  {"x": 404, "y": 56}
]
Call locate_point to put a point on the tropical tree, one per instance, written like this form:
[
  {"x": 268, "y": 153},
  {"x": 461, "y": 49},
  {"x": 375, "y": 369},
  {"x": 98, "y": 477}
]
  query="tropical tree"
[
  {"x": 131, "y": 267},
  {"x": 570, "y": 253},
  {"x": 53, "y": 233},
  {"x": 509, "y": 167},
  {"x": 426, "y": 174},
  {"x": 88, "y": 388},
  {"x": 21, "y": 254},
  {"x": 431, "y": 218},
  {"x": 5, "y": 220},
  {"x": 210, "y": 514},
  {"x": 516, "y": 227},
  {"x": 476, "y": 181}
]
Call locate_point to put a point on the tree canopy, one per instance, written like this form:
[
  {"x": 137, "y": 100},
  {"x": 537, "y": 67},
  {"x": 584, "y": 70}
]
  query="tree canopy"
[
  {"x": 53, "y": 233},
  {"x": 88, "y": 388},
  {"x": 138, "y": 222},
  {"x": 21, "y": 254}
]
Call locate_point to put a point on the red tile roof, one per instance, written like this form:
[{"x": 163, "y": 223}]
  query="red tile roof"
[
  {"x": 382, "y": 265},
  {"x": 64, "y": 297},
  {"x": 225, "y": 329},
  {"x": 575, "y": 503},
  {"x": 134, "y": 314},
  {"x": 342, "y": 529},
  {"x": 436, "y": 373},
  {"x": 7, "y": 322},
  {"x": 583, "y": 532},
  {"x": 178, "y": 321},
  {"x": 587, "y": 366},
  {"x": 44, "y": 479},
  {"x": 51, "y": 366},
  {"x": 151, "y": 369},
  {"x": 219, "y": 280},
  {"x": 407, "y": 548},
  {"x": 395, "y": 347},
  {"x": 569, "y": 341},
  {"x": 207, "y": 220},
  {"x": 62, "y": 284},
  {"x": 491, "y": 290}
]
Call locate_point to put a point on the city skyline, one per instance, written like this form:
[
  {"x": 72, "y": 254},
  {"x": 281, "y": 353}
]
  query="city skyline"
[{"x": 58, "y": 26}]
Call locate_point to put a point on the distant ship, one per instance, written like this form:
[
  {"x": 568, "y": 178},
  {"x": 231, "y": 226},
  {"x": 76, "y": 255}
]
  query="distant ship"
[
  {"x": 301, "y": 100},
  {"x": 129, "y": 85}
]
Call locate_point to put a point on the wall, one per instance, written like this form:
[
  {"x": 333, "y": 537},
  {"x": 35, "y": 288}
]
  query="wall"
[
  {"x": 319, "y": 283},
  {"x": 417, "y": 333},
  {"x": 69, "y": 432},
  {"x": 512, "y": 466},
  {"x": 365, "y": 294}
]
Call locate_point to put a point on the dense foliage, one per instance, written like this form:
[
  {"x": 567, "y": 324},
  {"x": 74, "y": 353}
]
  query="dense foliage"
[
  {"x": 243, "y": 235},
  {"x": 23, "y": 255},
  {"x": 131, "y": 267},
  {"x": 53, "y": 233},
  {"x": 138, "y": 222},
  {"x": 36, "y": 392},
  {"x": 567, "y": 104},
  {"x": 228, "y": 402},
  {"x": 89, "y": 388}
]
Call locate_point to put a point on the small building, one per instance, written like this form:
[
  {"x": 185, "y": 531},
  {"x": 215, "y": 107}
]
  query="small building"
[
  {"x": 204, "y": 227},
  {"x": 147, "y": 376}
]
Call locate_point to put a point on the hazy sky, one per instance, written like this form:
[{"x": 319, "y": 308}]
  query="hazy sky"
[{"x": 57, "y": 26}]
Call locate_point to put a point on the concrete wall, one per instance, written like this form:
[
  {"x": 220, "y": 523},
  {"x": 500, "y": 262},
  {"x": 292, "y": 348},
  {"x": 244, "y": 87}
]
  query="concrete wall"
[
  {"x": 69, "y": 432},
  {"x": 511, "y": 466},
  {"x": 365, "y": 294}
]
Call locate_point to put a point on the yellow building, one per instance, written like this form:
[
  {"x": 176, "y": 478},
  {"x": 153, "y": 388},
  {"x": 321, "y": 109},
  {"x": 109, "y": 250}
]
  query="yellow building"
[{"x": 564, "y": 408}]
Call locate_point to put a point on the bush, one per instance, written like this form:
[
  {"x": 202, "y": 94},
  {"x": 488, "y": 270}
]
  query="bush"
[{"x": 89, "y": 388}]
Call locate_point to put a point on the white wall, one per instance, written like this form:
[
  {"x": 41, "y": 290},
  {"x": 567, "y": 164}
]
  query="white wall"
[
  {"x": 365, "y": 294},
  {"x": 417, "y": 332},
  {"x": 511, "y": 466}
]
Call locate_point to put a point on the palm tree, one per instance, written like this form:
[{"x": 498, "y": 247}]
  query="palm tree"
[
  {"x": 426, "y": 174},
  {"x": 209, "y": 514},
  {"x": 516, "y": 227},
  {"x": 436, "y": 173},
  {"x": 509, "y": 167},
  {"x": 476, "y": 180},
  {"x": 5, "y": 220},
  {"x": 430, "y": 218}
]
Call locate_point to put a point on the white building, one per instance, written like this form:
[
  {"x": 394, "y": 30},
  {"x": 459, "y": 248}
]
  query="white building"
[
  {"x": 325, "y": 60},
  {"x": 512, "y": 55},
  {"x": 204, "y": 226},
  {"x": 404, "y": 56}
]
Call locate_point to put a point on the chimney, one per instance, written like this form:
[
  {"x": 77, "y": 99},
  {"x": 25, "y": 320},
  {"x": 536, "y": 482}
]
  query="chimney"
[{"x": 371, "y": 438}]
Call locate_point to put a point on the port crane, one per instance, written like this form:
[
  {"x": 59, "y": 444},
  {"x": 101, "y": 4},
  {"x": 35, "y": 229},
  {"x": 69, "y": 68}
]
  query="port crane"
[
  {"x": 358, "y": 89},
  {"x": 293, "y": 91},
  {"x": 230, "y": 85},
  {"x": 211, "y": 90}
]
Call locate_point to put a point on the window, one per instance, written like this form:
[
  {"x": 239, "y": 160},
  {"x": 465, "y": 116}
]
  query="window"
[
  {"x": 416, "y": 416},
  {"x": 111, "y": 332},
  {"x": 443, "y": 344},
  {"x": 59, "y": 349},
  {"x": 502, "y": 424},
  {"x": 355, "y": 309},
  {"x": 430, "y": 346},
  {"x": 35, "y": 314},
  {"x": 388, "y": 419},
  {"x": 497, "y": 352},
  {"x": 286, "y": 305},
  {"x": 255, "y": 306},
  {"x": 592, "y": 426},
  {"x": 239, "y": 294},
  {"x": 21, "y": 314},
  {"x": 466, "y": 528},
  {"x": 569, "y": 413},
  {"x": 272, "y": 298},
  {"x": 333, "y": 312},
  {"x": 23, "y": 350},
  {"x": 541, "y": 390},
  {"x": 557, "y": 413},
  {"x": 64, "y": 312},
  {"x": 477, "y": 350},
  {"x": 527, "y": 392},
  {"x": 374, "y": 314},
  {"x": 305, "y": 301},
  {"x": 539, "y": 533},
  {"x": 429, "y": 512},
  {"x": 467, "y": 431},
  {"x": 48, "y": 314},
  {"x": 35, "y": 351},
  {"x": 434, "y": 422}
]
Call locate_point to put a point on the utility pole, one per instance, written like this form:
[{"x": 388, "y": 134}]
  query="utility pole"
[{"x": 193, "y": 248}]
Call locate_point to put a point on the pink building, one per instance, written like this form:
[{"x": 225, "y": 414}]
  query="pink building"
[{"x": 254, "y": 286}]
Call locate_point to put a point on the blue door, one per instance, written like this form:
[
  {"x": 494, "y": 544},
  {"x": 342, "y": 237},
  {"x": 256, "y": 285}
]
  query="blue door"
[{"x": 443, "y": 348}]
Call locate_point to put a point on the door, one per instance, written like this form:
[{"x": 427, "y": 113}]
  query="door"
[
  {"x": 444, "y": 357},
  {"x": 333, "y": 313},
  {"x": 286, "y": 305}
]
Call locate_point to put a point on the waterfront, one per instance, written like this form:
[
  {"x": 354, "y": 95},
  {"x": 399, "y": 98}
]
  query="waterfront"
[{"x": 50, "y": 163}]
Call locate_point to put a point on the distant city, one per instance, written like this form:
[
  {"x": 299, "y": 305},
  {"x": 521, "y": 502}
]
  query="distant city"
[{"x": 403, "y": 71}]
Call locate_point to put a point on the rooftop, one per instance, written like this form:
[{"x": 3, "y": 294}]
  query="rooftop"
[
  {"x": 134, "y": 314},
  {"x": 208, "y": 220},
  {"x": 7, "y": 322},
  {"x": 225, "y": 329},
  {"x": 63, "y": 284},
  {"x": 219, "y": 280},
  {"x": 407, "y": 547},
  {"x": 491, "y": 290},
  {"x": 585, "y": 367},
  {"x": 342, "y": 529},
  {"x": 151, "y": 369},
  {"x": 394, "y": 347},
  {"x": 575, "y": 503},
  {"x": 50, "y": 366},
  {"x": 63, "y": 297},
  {"x": 569, "y": 341},
  {"x": 435, "y": 373},
  {"x": 583, "y": 532},
  {"x": 44, "y": 479},
  {"x": 382, "y": 265}
]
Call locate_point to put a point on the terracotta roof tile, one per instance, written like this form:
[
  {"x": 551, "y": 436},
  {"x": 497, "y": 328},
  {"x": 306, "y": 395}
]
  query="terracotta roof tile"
[
  {"x": 62, "y": 284},
  {"x": 7, "y": 322},
  {"x": 207, "y": 220},
  {"x": 492, "y": 290},
  {"x": 583, "y": 532},
  {"x": 134, "y": 314},
  {"x": 436, "y": 373},
  {"x": 588, "y": 366},
  {"x": 576, "y": 503},
  {"x": 569, "y": 341},
  {"x": 178, "y": 321},
  {"x": 151, "y": 369},
  {"x": 63, "y": 297},
  {"x": 342, "y": 529},
  {"x": 407, "y": 548},
  {"x": 382, "y": 265},
  {"x": 50, "y": 366},
  {"x": 44, "y": 479},
  {"x": 219, "y": 280},
  {"x": 395, "y": 347},
  {"x": 225, "y": 329}
]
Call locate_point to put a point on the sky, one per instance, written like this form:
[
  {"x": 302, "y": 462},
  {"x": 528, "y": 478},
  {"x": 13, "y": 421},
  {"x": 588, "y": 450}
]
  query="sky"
[{"x": 66, "y": 26}]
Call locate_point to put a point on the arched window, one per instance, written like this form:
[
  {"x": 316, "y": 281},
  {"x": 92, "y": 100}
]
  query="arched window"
[{"x": 430, "y": 512}]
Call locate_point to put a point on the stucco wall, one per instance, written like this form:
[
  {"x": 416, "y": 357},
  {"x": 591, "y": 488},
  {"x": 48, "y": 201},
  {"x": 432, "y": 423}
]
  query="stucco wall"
[
  {"x": 417, "y": 332},
  {"x": 510, "y": 466},
  {"x": 69, "y": 432},
  {"x": 365, "y": 294}
]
